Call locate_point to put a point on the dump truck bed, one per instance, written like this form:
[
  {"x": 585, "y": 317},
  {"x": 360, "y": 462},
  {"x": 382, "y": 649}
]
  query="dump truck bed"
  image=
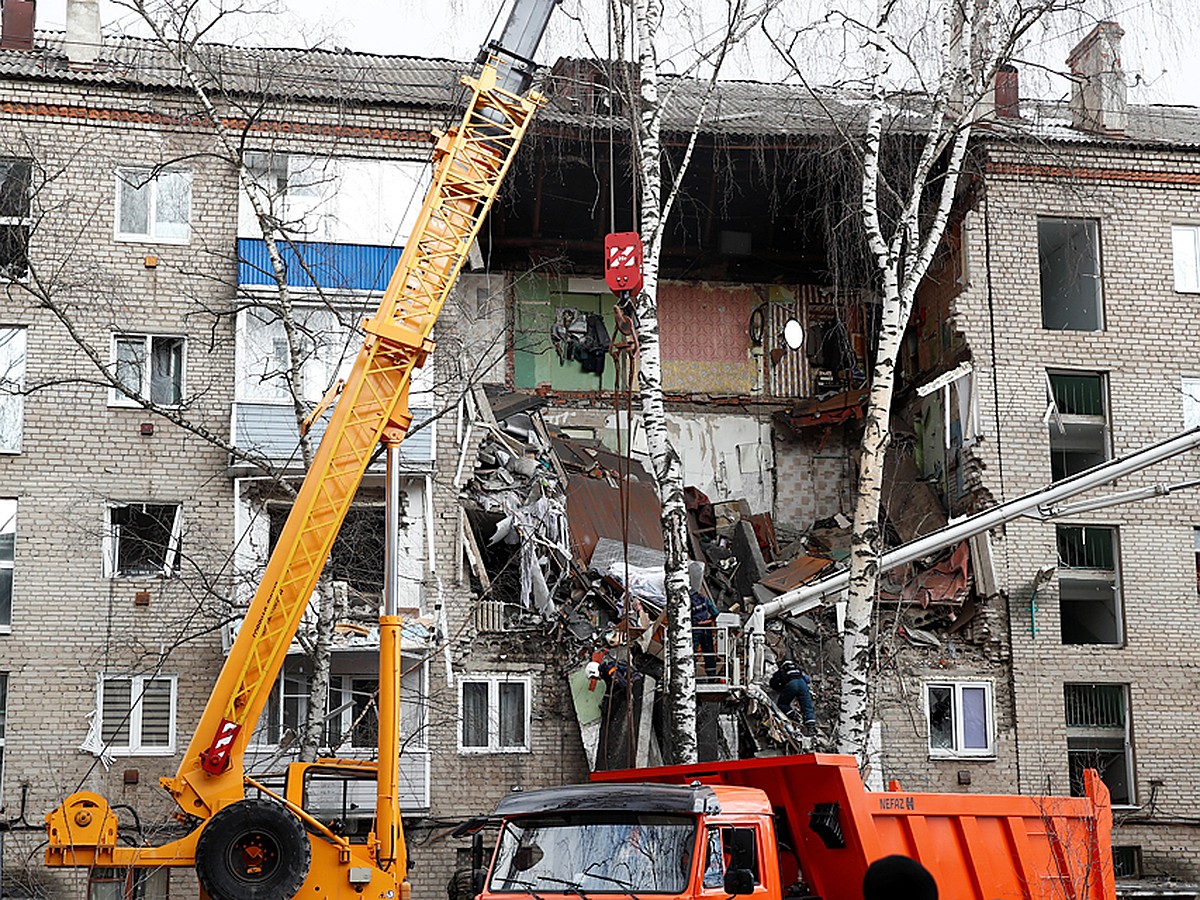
[{"x": 978, "y": 847}]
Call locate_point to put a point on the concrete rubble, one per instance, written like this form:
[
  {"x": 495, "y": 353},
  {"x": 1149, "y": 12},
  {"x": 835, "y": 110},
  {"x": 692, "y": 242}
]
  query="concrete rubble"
[{"x": 565, "y": 538}]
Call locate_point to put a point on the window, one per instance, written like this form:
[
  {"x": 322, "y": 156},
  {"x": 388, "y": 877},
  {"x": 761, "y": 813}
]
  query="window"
[
  {"x": 1189, "y": 386},
  {"x": 494, "y": 714},
  {"x": 960, "y": 719},
  {"x": 357, "y": 556},
  {"x": 8, "y": 542},
  {"x": 1185, "y": 242},
  {"x": 1097, "y": 722},
  {"x": 154, "y": 205},
  {"x": 1069, "y": 258},
  {"x": 143, "y": 540},
  {"x": 150, "y": 366},
  {"x": 728, "y": 844},
  {"x": 352, "y": 712},
  {"x": 1077, "y": 414},
  {"x": 1089, "y": 594},
  {"x": 15, "y": 217},
  {"x": 1127, "y": 861},
  {"x": 3, "y": 722},
  {"x": 137, "y": 714},
  {"x": 128, "y": 884},
  {"x": 12, "y": 386},
  {"x": 1196, "y": 545}
]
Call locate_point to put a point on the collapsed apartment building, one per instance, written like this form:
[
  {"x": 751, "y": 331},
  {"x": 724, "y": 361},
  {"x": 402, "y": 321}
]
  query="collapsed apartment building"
[{"x": 526, "y": 491}]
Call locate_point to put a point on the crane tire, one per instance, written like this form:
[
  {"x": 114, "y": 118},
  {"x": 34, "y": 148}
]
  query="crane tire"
[{"x": 253, "y": 849}]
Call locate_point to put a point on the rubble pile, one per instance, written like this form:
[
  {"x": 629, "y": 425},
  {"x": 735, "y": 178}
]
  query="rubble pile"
[{"x": 565, "y": 537}]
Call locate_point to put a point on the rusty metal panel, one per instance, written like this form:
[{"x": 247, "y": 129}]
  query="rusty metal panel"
[
  {"x": 594, "y": 510},
  {"x": 797, "y": 572}
]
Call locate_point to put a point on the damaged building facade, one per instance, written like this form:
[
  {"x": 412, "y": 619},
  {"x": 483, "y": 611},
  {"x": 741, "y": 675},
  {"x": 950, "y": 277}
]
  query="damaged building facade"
[
  {"x": 1050, "y": 336},
  {"x": 532, "y": 542}
]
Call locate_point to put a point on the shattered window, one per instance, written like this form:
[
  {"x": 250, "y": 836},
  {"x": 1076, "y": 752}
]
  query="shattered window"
[
  {"x": 494, "y": 714},
  {"x": 8, "y": 541},
  {"x": 15, "y": 217},
  {"x": 1077, "y": 416},
  {"x": 1069, "y": 259},
  {"x": 1097, "y": 720},
  {"x": 3, "y": 718},
  {"x": 1196, "y": 547},
  {"x": 960, "y": 719},
  {"x": 150, "y": 366},
  {"x": 137, "y": 714},
  {"x": 357, "y": 557},
  {"x": 154, "y": 205},
  {"x": 1088, "y": 587},
  {"x": 143, "y": 540}
]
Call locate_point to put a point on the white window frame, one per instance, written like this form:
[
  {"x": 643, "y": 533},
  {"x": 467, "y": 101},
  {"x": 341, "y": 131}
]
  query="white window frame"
[
  {"x": 1189, "y": 386},
  {"x": 111, "y": 545},
  {"x": 1185, "y": 258},
  {"x": 13, "y": 342},
  {"x": 118, "y": 399},
  {"x": 135, "y": 178},
  {"x": 8, "y": 507},
  {"x": 413, "y": 700},
  {"x": 136, "y": 689},
  {"x": 958, "y": 751},
  {"x": 493, "y": 712}
]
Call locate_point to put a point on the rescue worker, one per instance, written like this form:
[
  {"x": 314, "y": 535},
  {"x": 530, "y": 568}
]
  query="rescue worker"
[{"x": 792, "y": 682}]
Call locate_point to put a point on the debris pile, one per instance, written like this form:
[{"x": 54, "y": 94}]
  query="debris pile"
[{"x": 565, "y": 536}]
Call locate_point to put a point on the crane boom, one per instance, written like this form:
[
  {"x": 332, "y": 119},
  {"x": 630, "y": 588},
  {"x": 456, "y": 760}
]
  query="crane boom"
[
  {"x": 237, "y": 834},
  {"x": 470, "y": 163}
]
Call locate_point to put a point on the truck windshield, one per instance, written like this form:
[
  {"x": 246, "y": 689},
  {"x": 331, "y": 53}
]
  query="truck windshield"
[{"x": 614, "y": 853}]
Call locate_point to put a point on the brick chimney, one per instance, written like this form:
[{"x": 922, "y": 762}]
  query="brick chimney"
[
  {"x": 1098, "y": 102},
  {"x": 82, "y": 42},
  {"x": 16, "y": 24},
  {"x": 1008, "y": 93}
]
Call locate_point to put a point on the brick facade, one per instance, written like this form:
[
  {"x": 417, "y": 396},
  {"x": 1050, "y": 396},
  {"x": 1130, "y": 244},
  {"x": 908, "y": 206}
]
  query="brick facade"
[{"x": 1146, "y": 346}]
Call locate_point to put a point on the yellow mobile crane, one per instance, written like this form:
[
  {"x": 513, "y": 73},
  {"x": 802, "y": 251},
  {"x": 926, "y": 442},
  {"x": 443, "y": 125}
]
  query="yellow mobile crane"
[{"x": 269, "y": 846}]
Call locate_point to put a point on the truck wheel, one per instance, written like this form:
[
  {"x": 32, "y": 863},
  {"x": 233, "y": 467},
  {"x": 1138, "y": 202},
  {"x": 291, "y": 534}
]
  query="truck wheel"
[{"x": 252, "y": 850}]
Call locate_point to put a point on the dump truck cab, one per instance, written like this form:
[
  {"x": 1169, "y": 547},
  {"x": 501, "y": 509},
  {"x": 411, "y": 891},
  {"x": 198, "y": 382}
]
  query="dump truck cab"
[{"x": 642, "y": 840}]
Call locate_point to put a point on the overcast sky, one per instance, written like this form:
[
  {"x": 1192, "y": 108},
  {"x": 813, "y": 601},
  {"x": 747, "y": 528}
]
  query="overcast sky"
[{"x": 1159, "y": 53}]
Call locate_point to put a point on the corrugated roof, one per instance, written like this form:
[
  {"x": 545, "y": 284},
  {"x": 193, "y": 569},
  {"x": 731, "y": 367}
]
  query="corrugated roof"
[
  {"x": 307, "y": 74},
  {"x": 1047, "y": 120},
  {"x": 735, "y": 108}
]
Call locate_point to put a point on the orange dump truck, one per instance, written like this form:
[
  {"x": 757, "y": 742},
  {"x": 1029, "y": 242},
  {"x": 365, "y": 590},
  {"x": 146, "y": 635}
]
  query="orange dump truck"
[{"x": 794, "y": 826}]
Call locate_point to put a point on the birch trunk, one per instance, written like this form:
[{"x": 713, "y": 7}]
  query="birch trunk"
[
  {"x": 680, "y": 724},
  {"x": 902, "y": 260}
]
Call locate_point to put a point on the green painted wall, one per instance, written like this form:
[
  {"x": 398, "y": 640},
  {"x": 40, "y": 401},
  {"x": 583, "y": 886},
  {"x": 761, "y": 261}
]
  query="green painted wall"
[{"x": 535, "y": 361}]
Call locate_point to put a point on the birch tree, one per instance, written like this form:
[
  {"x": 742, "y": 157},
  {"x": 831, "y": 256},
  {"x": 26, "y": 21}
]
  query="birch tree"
[
  {"x": 647, "y": 18},
  {"x": 904, "y": 210}
]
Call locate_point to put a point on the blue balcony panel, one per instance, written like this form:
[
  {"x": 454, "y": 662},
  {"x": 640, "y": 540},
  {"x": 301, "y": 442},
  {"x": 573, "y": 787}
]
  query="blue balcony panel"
[{"x": 313, "y": 264}]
